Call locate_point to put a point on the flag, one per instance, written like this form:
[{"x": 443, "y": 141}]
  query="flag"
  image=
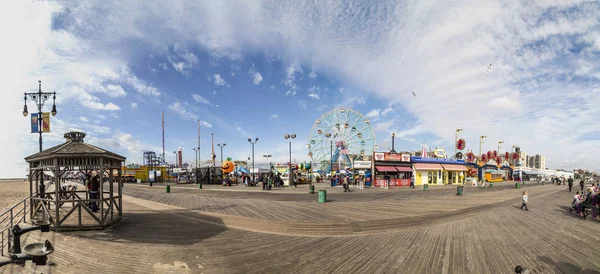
[
  {"x": 46, "y": 122},
  {"x": 34, "y": 123},
  {"x": 423, "y": 152}
]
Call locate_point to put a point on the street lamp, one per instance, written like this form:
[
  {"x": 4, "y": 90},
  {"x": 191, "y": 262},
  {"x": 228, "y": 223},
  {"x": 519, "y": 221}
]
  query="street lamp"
[
  {"x": 176, "y": 162},
  {"x": 221, "y": 146},
  {"x": 252, "y": 143},
  {"x": 456, "y": 138},
  {"x": 197, "y": 151},
  {"x": 392, "y": 151},
  {"x": 480, "y": 142},
  {"x": 39, "y": 98},
  {"x": 268, "y": 156},
  {"x": 291, "y": 137},
  {"x": 310, "y": 171}
]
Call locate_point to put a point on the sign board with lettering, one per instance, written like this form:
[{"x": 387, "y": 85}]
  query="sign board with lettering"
[{"x": 393, "y": 157}]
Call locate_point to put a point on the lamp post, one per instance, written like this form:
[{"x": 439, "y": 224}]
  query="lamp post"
[
  {"x": 176, "y": 162},
  {"x": 291, "y": 137},
  {"x": 311, "y": 166},
  {"x": 268, "y": 156},
  {"x": 480, "y": 142},
  {"x": 221, "y": 146},
  {"x": 197, "y": 151},
  {"x": 392, "y": 151},
  {"x": 252, "y": 143},
  {"x": 456, "y": 138},
  {"x": 39, "y": 98}
]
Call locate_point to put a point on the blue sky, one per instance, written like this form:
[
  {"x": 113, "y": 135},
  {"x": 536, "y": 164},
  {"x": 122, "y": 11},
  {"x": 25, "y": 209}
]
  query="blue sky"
[{"x": 267, "y": 68}]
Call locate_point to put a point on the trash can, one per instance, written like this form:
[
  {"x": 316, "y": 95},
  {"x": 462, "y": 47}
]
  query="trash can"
[
  {"x": 459, "y": 190},
  {"x": 311, "y": 189},
  {"x": 322, "y": 196},
  {"x": 517, "y": 185},
  {"x": 491, "y": 184},
  {"x": 168, "y": 189},
  {"x": 425, "y": 187},
  {"x": 200, "y": 186}
]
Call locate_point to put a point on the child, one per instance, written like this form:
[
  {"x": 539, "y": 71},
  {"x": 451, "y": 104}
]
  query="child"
[{"x": 525, "y": 199}]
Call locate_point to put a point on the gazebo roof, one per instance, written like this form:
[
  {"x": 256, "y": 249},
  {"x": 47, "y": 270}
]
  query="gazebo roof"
[{"x": 73, "y": 147}]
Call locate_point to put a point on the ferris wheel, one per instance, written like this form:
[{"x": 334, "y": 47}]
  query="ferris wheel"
[{"x": 339, "y": 136}]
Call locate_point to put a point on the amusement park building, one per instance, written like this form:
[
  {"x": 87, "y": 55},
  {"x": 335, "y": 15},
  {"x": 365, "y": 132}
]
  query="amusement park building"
[{"x": 438, "y": 171}]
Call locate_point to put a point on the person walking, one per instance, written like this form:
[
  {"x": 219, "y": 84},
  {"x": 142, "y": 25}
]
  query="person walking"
[
  {"x": 581, "y": 184},
  {"x": 570, "y": 183},
  {"x": 525, "y": 199},
  {"x": 345, "y": 184},
  {"x": 412, "y": 181}
]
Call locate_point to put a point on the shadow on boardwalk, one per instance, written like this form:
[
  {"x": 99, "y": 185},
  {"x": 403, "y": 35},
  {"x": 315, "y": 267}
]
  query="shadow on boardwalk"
[
  {"x": 565, "y": 267},
  {"x": 171, "y": 227}
]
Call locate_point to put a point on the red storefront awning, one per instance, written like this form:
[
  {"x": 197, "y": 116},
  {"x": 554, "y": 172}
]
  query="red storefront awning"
[
  {"x": 455, "y": 167},
  {"x": 404, "y": 168},
  {"x": 386, "y": 169},
  {"x": 422, "y": 166}
]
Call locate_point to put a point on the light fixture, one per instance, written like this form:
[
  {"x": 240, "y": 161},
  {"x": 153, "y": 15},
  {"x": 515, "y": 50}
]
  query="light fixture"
[{"x": 25, "y": 111}]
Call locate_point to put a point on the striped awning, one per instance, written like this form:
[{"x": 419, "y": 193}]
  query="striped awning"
[{"x": 454, "y": 167}]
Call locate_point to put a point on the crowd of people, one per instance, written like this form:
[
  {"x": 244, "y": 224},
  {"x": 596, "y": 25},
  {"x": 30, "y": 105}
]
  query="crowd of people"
[{"x": 586, "y": 200}]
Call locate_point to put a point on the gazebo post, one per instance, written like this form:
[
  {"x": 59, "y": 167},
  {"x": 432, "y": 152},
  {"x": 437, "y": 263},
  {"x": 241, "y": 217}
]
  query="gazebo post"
[
  {"x": 56, "y": 193},
  {"x": 30, "y": 191},
  {"x": 110, "y": 189},
  {"x": 120, "y": 188},
  {"x": 102, "y": 192}
]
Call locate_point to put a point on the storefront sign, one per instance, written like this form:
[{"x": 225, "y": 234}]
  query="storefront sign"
[
  {"x": 362, "y": 164},
  {"x": 386, "y": 156},
  {"x": 440, "y": 153},
  {"x": 393, "y": 182}
]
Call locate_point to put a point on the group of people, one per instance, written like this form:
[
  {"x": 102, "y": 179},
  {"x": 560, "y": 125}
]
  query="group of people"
[{"x": 586, "y": 200}]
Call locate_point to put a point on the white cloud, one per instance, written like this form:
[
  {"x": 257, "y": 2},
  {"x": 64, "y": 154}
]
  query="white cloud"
[
  {"x": 115, "y": 91},
  {"x": 256, "y": 77},
  {"x": 134, "y": 105},
  {"x": 182, "y": 111},
  {"x": 92, "y": 102},
  {"x": 374, "y": 113},
  {"x": 138, "y": 84},
  {"x": 200, "y": 99},
  {"x": 181, "y": 60},
  {"x": 101, "y": 129},
  {"x": 83, "y": 119},
  {"x": 219, "y": 81},
  {"x": 314, "y": 96},
  {"x": 290, "y": 93},
  {"x": 312, "y": 75},
  {"x": 275, "y": 117},
  {"x": 163, "y": 66}
]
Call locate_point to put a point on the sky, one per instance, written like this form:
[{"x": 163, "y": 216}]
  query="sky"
[{"x": 269, "y": 68}]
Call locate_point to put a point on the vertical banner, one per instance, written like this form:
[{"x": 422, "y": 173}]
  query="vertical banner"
[
  {"x": 46, "y": 122},
  {"x": 34, "y": 123}
]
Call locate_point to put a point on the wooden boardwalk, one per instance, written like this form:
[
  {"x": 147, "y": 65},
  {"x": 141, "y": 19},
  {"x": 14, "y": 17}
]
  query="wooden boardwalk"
[{"x": 197, "y": 232}]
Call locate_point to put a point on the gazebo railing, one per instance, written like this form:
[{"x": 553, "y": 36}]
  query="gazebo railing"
[{"x": 13, "y": 216}]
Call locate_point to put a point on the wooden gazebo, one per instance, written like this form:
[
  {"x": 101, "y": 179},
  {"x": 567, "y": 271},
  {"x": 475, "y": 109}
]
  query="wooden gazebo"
[{"x": 63, "y": 197}]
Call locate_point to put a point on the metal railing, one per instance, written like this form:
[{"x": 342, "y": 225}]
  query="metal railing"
[{"x": 13, "y": 216}]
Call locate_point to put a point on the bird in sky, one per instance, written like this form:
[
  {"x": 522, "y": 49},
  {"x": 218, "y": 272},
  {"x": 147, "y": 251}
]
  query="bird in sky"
[
  {"x": 414, "y": 93},
  {"x": 489, "y": 67}
]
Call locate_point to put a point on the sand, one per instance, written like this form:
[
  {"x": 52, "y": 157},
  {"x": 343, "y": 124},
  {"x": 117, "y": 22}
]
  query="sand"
[{"x": 12, "y": 192}]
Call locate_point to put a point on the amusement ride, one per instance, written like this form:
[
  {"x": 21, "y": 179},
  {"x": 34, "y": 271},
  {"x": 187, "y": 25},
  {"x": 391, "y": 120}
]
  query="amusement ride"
[{"x": 339, "y": 137}]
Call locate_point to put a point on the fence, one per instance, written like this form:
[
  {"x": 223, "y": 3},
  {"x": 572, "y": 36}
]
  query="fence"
[{"x": 15, "y": 215}]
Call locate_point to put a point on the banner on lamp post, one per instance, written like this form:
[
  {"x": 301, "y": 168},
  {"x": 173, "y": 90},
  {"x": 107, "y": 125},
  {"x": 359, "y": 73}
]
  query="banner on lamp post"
[
  {"x": 46, "y": 122},
  {"x": 35, "y": 124}
]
